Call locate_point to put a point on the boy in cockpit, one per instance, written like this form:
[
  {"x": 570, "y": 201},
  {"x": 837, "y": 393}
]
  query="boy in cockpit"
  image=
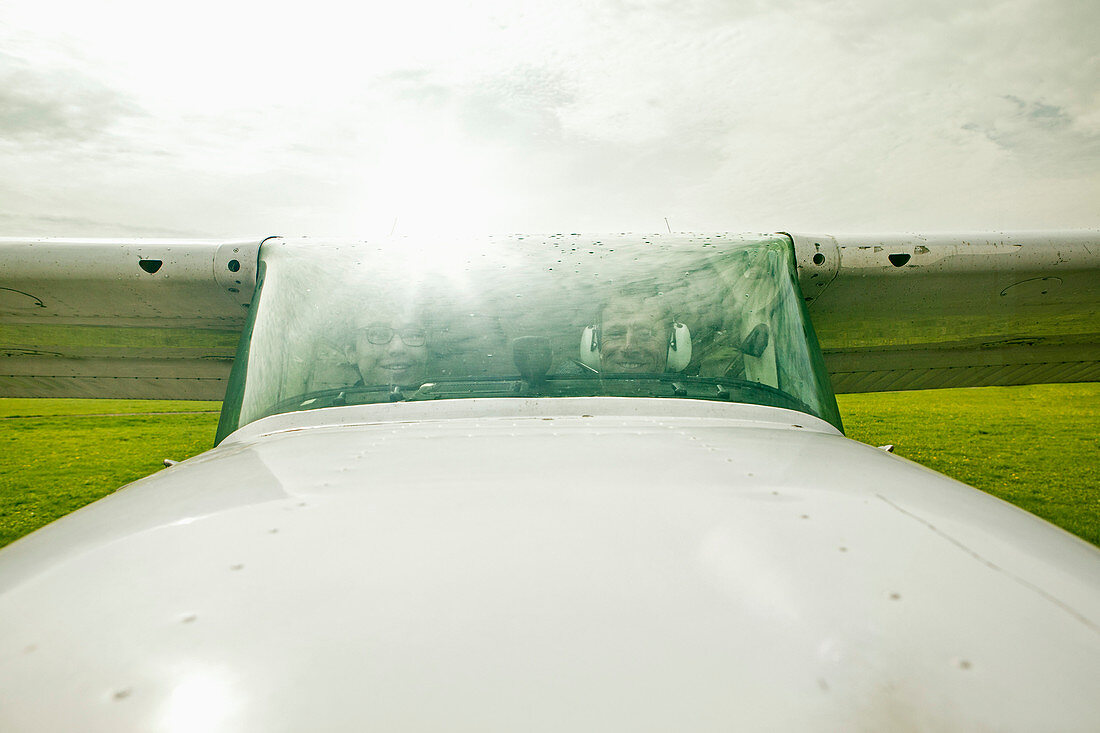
[{"x": 389, "y": 349}]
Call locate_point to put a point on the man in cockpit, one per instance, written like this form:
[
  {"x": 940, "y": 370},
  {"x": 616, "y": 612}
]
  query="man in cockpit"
[
  {"x": 389, "y": 350},
  {"x": 636, "y": 336}
]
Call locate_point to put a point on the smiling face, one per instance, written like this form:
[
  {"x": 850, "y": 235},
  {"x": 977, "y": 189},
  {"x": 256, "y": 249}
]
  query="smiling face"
[
  {"x": 633, "y": 338},
  {"x": 390, "y": 350}
]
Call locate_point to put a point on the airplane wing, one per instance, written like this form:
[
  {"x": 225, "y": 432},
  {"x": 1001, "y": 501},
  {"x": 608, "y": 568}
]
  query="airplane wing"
[
  {"x": 126, "y": 319},
  {"x": 899, "y": 312},
  {"x": 162, "y": 318}
]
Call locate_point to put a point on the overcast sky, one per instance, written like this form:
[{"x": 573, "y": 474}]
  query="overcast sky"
[{"x": 227, "y": 119}]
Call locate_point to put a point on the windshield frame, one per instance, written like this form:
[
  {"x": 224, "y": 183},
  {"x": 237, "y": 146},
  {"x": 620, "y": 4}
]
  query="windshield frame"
[{"x": 508, "y": 384}]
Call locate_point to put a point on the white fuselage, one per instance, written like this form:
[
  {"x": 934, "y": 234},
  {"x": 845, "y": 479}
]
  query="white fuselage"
[{"x": 568, "y": 564}]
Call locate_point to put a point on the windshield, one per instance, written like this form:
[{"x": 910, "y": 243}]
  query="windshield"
[{"x": 704, "y": 318}]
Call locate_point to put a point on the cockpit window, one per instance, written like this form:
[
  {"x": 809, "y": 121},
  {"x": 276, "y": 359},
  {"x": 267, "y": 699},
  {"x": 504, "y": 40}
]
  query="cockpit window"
[{"x": 703, "y": 318}]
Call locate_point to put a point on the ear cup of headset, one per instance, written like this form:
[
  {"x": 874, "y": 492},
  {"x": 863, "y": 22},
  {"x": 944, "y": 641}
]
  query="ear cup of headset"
[
  {"x": 679, "y": 348},
  {"x": 590, "y": 348}
]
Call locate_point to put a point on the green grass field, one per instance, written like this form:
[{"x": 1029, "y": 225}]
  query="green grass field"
[
  {"x": 1037, "y": 447},
  {"x": 58, "y": 455}
]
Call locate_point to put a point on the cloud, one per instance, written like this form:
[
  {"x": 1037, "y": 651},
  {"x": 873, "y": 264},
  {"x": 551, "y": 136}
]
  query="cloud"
[
  {"x": 515, "y": 116},
  {"x": 521, "y": 106},
  {"x": 69, "y": 226},
  {"x": 1046, "y": 115},
  {"x": 417, "y": 86},
  {"x": 51, "y": 106},
  {"x": 1045, "y": 137}
]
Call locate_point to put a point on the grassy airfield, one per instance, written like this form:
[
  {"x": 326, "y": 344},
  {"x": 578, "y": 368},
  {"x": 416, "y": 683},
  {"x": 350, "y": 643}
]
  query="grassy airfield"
[{"x": 1037, "y": 447}]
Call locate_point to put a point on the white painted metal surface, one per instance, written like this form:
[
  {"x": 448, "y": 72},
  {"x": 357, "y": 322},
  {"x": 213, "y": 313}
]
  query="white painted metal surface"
[{"x": 589, "y": 564}]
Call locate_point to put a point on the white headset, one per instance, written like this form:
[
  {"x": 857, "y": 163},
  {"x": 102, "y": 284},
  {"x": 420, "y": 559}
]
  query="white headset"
[{"x": 679, "y": 348}]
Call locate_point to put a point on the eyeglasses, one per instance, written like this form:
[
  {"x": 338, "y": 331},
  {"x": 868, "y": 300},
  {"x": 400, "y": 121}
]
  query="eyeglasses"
[
  {"x": 382, "y": 335},
  {"x": 640, "y": 333}
]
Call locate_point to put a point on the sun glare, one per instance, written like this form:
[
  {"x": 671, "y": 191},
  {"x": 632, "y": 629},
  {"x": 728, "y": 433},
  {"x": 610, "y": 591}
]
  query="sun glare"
[
  {"x": 201, "y": 702},
  {"x": 424, "y": 184}
]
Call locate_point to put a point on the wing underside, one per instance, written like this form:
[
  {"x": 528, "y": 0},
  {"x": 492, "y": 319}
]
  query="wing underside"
[
  {"x": 162, "y": 318},
  {"x": 128, "y": 319},
  {"x": 899, "y": 312}
]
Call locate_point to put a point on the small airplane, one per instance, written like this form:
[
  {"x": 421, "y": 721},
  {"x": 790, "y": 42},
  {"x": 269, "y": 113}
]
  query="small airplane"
[{"x": 547, "y": 483}]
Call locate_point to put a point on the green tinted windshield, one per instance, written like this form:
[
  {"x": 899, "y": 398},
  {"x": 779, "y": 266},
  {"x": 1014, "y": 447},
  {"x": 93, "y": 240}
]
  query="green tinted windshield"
[{"x": 704, "y": 318}]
